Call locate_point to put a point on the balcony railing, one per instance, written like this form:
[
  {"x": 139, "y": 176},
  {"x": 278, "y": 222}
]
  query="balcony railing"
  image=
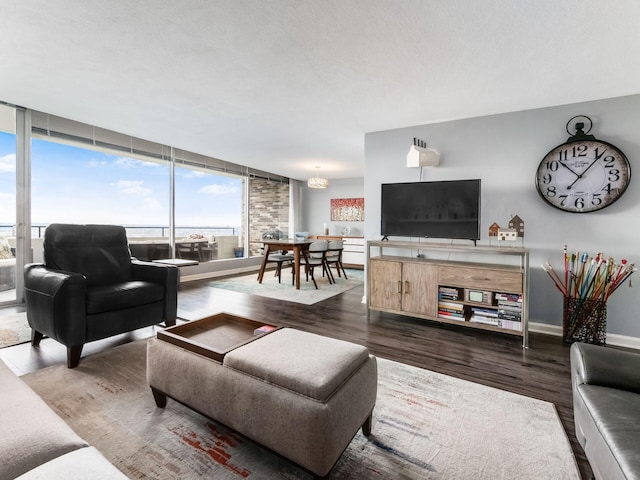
[{"x": 37, "y": 230}]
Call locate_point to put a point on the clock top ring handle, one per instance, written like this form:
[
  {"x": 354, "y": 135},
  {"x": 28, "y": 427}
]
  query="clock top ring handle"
[{"x": 579, "y": 126}]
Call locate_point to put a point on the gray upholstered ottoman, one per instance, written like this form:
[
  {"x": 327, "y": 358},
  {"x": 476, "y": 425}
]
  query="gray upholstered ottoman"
[{"x": 302, "y": 395}]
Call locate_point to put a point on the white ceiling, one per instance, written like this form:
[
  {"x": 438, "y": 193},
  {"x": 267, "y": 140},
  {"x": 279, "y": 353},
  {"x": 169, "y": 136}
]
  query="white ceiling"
[{"x": 285, "y": 85}]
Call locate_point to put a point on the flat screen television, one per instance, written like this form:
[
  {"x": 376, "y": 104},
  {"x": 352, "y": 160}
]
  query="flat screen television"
[{"x": 441, "y": 209}]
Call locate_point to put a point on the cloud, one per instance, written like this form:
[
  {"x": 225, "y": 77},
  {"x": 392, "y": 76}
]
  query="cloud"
[
  {"x": 188, "y": 173},
  {"x": 215, "y": 189},
  {"x": 132, "y": 187},
  {"x": 93, "y": 163},
  {"x": 126, "y": 162},
  {"x": 8, "y": 163}
]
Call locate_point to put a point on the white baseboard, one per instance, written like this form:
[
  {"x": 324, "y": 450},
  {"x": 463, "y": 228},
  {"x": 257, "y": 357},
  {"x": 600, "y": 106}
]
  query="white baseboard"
[{"x": 613, "y": 339}]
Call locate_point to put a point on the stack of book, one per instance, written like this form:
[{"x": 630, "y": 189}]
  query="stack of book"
[
  {"x": 488, "y": 316},
  {"x": 449, "y": 293},
  {"x": 446, "y": 306},
  {"x": 510, "y": 310},
  {"x": 453, "y": 311}
]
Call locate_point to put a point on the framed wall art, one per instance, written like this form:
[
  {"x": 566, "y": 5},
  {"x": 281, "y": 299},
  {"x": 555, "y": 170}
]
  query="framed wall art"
[{"x": 347, "y": 209}]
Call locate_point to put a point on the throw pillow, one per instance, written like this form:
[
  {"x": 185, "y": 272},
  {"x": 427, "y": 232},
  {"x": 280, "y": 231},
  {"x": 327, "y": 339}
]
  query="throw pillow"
[{"x": 5, "y": 249}]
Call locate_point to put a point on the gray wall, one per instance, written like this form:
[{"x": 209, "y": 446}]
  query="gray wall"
[
  {"x": 316, "y": 211},
  {"x": 504, "y": 151}
]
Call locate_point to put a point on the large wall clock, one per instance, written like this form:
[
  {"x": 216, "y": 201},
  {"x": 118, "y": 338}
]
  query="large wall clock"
[{"x": 583, "y": 174}]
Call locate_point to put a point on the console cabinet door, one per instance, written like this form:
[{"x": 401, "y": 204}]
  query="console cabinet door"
[
  {"x": 420, "y": 288},
  {"x": 386, "y": 284}
]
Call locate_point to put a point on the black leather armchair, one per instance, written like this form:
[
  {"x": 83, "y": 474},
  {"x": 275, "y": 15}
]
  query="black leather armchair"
[{"x": 89, "y": 288}]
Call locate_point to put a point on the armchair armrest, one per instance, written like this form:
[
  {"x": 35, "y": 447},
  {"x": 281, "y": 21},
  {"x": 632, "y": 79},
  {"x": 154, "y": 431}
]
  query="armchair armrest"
[
  {"x": 606, "y": 367},
  {"x": 166, "y": 275},
  {"x": 55, "y": 302}
]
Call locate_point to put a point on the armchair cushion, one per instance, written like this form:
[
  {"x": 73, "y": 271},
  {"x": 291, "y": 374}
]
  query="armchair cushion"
[
  {"x": 106, "y": 298},
  {"x": 99, "y": 252}
]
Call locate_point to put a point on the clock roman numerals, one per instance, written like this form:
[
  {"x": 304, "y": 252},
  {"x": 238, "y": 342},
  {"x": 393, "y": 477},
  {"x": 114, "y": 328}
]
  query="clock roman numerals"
[{"x": 583, "y": 176}]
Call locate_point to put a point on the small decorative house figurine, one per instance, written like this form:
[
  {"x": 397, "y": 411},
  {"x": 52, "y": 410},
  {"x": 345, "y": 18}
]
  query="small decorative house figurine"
[
  {"x": 507, "y": 235},
  {"x": 493, "y": 230},
  {"x": 517, "y": 224}
]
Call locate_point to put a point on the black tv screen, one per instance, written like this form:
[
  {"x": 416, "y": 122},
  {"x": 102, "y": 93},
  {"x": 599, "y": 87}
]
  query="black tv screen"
[{"x": 442, "y": 209}]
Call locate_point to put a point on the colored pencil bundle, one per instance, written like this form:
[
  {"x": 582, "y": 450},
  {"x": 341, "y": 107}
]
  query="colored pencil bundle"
[{"x": 590, "y": 278}]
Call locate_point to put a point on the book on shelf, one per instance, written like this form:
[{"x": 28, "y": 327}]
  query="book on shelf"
[
  {"x": 451, "y": 315},
  {"x": 510, "y": 315},
  {"x": 448, "y": 293},
  {"x": 509, "y": 297},
  {"x": 485, "y": 312},
  {"x": 485, "y": 320},
  {"x": 511, "y": 325},
  {"x": 510, "y": 305},
  {"x": 450, "y": 305},
  {"x": 453, "y": 308}
]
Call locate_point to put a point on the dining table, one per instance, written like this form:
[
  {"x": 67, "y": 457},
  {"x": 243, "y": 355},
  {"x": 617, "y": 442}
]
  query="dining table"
[{"x": 297, "y": 246}]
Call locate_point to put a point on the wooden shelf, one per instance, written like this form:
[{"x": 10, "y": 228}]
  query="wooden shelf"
[{"x": 408, "y": 285}]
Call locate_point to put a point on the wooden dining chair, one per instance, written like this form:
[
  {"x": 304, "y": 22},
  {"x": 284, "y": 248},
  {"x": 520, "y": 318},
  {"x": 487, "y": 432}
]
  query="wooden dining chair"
[
  {"x": 316, "y": 256},
  {"x": 281, "y": 257},
  {"x": 334, "y": 257}
]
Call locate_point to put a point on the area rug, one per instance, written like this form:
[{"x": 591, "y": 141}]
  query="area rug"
[
  {"x": 425, "y": 426},
  {"x": 14, "y": 329},
  {"x": 307, "y": 294}
]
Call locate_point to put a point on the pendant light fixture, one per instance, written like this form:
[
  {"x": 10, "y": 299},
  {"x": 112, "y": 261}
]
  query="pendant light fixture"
[{"x": 317, "y": 181}]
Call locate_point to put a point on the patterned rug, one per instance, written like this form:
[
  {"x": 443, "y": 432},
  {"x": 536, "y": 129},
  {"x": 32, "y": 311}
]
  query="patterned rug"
[
  {"x": 307, "y": 294},
  {"x": 14, "y": 329},
  {"x": 425, "y": 426}
]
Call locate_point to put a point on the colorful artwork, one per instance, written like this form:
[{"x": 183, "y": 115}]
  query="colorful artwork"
[{"x": 347, "y": 209}]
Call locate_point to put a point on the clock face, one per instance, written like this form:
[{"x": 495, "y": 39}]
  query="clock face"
[{"x": 583, "y": 176}]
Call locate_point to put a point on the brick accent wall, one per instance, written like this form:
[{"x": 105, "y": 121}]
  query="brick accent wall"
[{"x": 268, "y": 210}]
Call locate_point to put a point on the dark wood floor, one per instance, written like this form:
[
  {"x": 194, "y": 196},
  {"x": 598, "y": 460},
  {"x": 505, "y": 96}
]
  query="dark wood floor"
[{"x": 496, "y": 360}]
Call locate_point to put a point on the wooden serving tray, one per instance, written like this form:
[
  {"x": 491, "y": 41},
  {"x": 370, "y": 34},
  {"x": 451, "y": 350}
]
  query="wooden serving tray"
[{"x": 213, "y": 336}]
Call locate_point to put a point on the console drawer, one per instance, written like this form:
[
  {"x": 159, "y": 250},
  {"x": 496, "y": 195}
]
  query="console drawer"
[{"x": 497, "y": 280}]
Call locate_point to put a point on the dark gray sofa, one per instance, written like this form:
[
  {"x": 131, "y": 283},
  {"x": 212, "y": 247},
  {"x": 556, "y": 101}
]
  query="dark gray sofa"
[{"x": 606, "y": 407}]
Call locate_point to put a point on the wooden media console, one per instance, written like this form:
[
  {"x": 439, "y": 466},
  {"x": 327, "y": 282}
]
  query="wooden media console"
[{"x": 466, "y": 292}]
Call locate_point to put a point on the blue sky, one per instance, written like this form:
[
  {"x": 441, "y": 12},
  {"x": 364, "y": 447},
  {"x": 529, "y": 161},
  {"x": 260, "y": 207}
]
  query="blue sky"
[{"x": 78, "y": 185}]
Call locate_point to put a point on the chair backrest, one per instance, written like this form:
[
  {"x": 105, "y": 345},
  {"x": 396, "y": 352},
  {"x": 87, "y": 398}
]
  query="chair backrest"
[
  {"x": 317, "y": 249},
  {"x": 334, "y": 248},
  {"x": 336, "y": 245},
  {"x": 99, "y": 252}
]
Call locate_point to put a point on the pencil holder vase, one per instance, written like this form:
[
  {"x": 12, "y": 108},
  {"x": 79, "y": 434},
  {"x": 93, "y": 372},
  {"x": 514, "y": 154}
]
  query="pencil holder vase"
[{"x": 584, "y": 321}]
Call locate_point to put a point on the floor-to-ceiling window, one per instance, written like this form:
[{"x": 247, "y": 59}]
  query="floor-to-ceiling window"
[
  {"x": 70, "y": 184},
  {"x": 208, "y": 213},
  {"x": 7, "y": 204},
  {"x": 168, "y": 199}
]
